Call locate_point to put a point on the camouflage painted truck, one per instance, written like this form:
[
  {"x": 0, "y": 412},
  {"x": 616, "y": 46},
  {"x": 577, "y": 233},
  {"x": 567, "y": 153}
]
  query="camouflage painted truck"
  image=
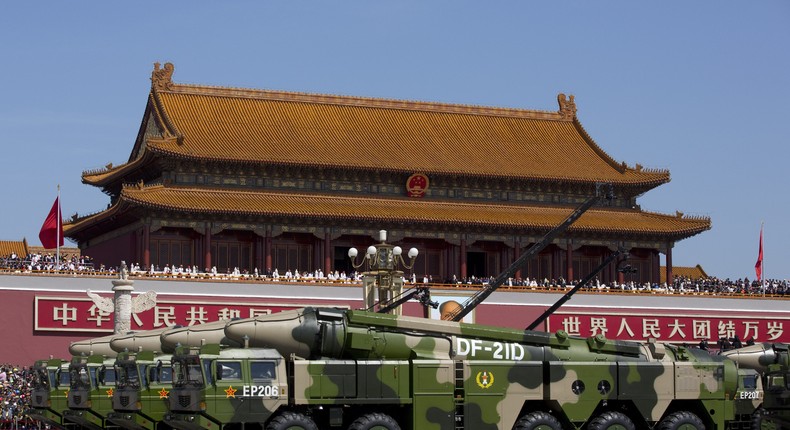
[
  {"x": 50, "y": 386},
  {"x": 334, "y": 368},
  {"x": 773, "y": 362},
  {"x": 144, "y": 373}
]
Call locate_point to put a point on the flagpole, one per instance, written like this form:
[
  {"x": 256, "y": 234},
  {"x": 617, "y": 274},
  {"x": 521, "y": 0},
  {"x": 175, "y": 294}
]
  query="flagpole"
[
  {"x": 57, "y": 234},
  {"x": 762, "y": 260}
]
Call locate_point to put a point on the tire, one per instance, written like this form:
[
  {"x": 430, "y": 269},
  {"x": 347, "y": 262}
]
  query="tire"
[
  {"x": 762, "y": 422},
  {"x": 291, "y": 421},
  {"x": 538, "y": 421},
  {"x": 681, "y": 420},
  {"x": 612, "y": 421},
  {"x": 374, "y": 421}
]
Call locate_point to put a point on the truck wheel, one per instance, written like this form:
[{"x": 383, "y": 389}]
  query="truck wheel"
[
  {"x": 681, "y": 420},
  {"x": 291, "y": 421},
  {"x": 759, "y": 421},
  {"x": 612, "y": 421},
  {"x": 374, "y": 421},
  {"x": 538, "y": 421}
]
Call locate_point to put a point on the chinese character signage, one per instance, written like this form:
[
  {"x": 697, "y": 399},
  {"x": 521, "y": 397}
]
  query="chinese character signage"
[
  {"x": 677, "y": 329},
  {"x": 81, "y": 314}
]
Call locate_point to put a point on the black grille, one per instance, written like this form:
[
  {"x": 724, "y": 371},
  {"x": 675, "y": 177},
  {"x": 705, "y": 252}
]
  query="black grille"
[
  {"x": 124, "y": 401},
  {"x": 184, "y": 401},
  {"x": 77, "y": 400},
  {"x": 39, "y": 400}
]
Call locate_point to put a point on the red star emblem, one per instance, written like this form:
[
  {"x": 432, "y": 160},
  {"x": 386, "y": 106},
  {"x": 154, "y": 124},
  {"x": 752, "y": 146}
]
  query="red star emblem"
[
  {"x": 230, "y": 392},
  {"x": 109, "y": 392},
  {"x": 163, "y": 394}
]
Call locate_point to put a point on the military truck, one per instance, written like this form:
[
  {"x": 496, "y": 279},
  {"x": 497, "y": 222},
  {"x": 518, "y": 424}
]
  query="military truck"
[
  {"x": 144, "y": 374},
  {"x": 144, "y": 381},
  {"x": 49, "y": 389},
  {"x": 92, "y": 382},
  {"x": 776, "y": 406},
  {"x": 355, "y": 369},
  {"x": 773, "y": 362}
]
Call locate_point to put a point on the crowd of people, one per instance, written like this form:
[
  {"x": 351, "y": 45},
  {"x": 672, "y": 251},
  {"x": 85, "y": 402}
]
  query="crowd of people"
[
  {"x": 77, "y": 264},
  {"x": 48, "y": 262},
  {"x": 16, "y": 385}
]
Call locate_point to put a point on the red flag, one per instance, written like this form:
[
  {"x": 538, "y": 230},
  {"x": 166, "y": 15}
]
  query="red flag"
[
  {"x": 51, "y": 234},
  {"x": 758, "y": 267}
]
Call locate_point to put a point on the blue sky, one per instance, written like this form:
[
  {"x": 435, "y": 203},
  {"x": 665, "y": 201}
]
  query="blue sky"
[{"x": 699, "y": 88}]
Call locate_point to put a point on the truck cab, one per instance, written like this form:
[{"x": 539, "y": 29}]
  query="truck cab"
[
  {"x": 49, "y": 391},
  {"x": 143, "y": 384},
  {"x": 776, "y": 406},
  {"x": 215, "y": 387},
  {"x": 89, "y": 400}
]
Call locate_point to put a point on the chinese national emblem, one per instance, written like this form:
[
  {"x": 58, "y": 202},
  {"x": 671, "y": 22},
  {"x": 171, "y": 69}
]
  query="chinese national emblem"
[
  {"x": 416, "y": 185},
  {"x": 485, "y": 379}
]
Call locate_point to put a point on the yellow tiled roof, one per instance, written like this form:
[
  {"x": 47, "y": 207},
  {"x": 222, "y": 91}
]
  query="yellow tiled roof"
[
  {"x": 217, "y": 123},
  {"x": 695, "y": 272},
  {"x": 9, "y": 246},
  {"x": 400, "y": 210}
]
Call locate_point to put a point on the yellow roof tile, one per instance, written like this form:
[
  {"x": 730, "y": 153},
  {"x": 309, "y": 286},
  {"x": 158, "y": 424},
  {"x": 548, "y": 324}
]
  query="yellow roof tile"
[
  {"x": 17, "y": 247},
  {"x": 263, "y": 126},
  {"x": 398, "y": 210}
]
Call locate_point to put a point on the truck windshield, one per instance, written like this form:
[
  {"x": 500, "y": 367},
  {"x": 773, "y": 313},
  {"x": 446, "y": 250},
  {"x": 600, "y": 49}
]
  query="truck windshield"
[
  {"x": 128, "y": 377},
  {"x": 187, "y": 371},
  {"x": 42, "y": 379},
  {"x": 80, "y": 378},
  {"x": 64, "y": 378}
]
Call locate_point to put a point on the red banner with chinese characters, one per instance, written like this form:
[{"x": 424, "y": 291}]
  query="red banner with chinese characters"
[
  {"x": 676, "y": 328},
  {"x": 81, "y": 315}
]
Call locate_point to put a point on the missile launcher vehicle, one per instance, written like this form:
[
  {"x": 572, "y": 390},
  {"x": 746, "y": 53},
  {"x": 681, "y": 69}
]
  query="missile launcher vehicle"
[
  {"x": 49, "y": 389},
  {"x": 772, "y": 361},
  {"x": 144, "y": 374}
]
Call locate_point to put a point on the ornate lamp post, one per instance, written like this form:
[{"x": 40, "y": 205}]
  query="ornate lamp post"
[{"x": 382, "y": 276}]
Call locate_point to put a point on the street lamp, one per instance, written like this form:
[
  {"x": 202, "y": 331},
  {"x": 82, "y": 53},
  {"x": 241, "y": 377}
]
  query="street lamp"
[
  {"x": 382, "y": 273},
  {"x": 624, "y": 268}
]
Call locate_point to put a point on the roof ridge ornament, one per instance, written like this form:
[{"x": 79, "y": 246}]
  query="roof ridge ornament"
[
  {"x": 567, "y": 106},
  {"x": 162, "y": 79}
]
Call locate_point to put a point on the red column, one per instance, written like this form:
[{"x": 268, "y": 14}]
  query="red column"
[
  {"x": 516, "y": 256},
  {"x": 259, "y": 255},
  {"x": 463, "y": 258},
  {"x": 670, "y": 278},
  {"x": 268, "y": 250},
  {"x": 569, "y": 262},
  {"x": 327, "y": 254},
  {"x": 146, "y": 246},
  {"x": 207, "y": 249}
]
